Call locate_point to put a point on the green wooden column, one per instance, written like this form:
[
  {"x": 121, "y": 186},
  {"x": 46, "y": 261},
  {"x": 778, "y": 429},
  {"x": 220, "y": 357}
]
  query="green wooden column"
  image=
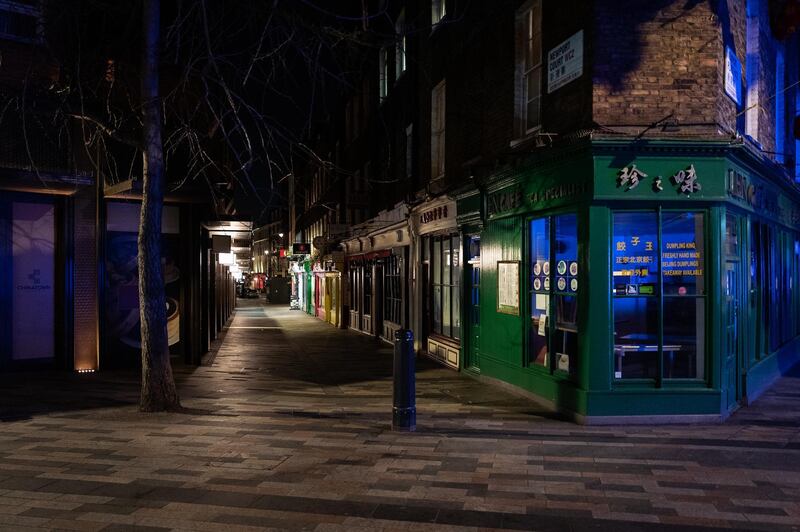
[{"x": 596, "y": 345}]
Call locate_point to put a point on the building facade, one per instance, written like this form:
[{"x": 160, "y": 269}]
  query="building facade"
[{"x": 602, "y": 198}]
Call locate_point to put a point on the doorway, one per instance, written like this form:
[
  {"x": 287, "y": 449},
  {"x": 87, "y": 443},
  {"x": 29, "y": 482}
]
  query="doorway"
[
  {"x": 734, "y": 297},
  {"x": 473, "y": 311}
]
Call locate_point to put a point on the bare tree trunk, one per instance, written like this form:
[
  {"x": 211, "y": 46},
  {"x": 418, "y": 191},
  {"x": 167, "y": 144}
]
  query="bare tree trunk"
[{"x": 158, "y": 385}]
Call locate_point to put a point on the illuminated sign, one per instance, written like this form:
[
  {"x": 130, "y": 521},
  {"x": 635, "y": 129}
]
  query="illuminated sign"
[{"x": 301, "y": 248}]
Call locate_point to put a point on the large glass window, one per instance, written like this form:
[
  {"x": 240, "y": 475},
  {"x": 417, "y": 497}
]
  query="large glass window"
[
  {"x": 367, "y": 287},
  {"x": 553, "y": 284},
  {"x": 392, "y": 290},
  {"x": 446, "y": 271},
  {"x": 659, "y": 295}
]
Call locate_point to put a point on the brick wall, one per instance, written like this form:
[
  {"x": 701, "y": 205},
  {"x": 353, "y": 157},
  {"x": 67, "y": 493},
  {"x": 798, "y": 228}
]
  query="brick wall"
[{"x": 656, "y": 58}]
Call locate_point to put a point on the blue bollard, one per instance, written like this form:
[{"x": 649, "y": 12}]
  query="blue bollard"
[{"x": 404, "y": 411}]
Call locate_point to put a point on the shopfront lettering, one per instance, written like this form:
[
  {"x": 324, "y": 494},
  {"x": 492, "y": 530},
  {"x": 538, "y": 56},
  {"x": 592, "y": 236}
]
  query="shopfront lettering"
[
  {"x": 504, "y": 200},
  {"x": 566, "y": 191},
  {"x": 437, "y": 213},
  {"x": 761, "y": 198}
]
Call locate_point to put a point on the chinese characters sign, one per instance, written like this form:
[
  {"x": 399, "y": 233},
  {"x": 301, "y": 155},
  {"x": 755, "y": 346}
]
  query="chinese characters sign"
[{"x": 685, "y": 180}]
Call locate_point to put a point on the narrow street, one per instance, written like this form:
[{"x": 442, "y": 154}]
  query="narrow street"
[{"x": 287, "y": 426}]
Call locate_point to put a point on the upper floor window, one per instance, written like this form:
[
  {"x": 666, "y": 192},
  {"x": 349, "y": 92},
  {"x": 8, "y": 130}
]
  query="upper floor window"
[
  {"x": 751, "y": 68},
  {"x": 780, "y": 103},
  {"x": 383, "y": 72},
  {"x": 437, "y": 11},
  {"x": 437, "y": 130},
  {"x": 400, "y": 50},
  {"x": 529, "y": 67},
  {"x": 17, "y": 25}
]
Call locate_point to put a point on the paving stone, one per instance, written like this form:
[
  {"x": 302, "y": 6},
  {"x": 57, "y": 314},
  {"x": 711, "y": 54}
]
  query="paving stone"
[{"x": 290, "y": 429}]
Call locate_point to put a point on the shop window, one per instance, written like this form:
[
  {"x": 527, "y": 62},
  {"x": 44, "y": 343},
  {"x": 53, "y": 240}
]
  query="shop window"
[
  {"x": 438, "y": 11},
  {"x": 645, "y": 260},
  {"x": 383, "y": 73},
  {"x": 367, "y": 288},
  {"x": 554, "y": 287},
  {"x": 445, "y": 275},
  {"x": 393, "y": 297}
]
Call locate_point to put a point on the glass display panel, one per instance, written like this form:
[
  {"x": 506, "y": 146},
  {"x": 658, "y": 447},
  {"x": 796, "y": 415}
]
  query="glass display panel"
[
  {"x": 682, "y": 253},
  {"x": 565, "y": 339},
  {"x": 684, "y": 338},
  {"x": 437, "y": 309},
  {"x": 540, "y": 278},
  {"x": 540, "y": 255},
  {"x": 635, "y": 248},
  {"x": 457, "y": 270},
  {"x": 635, "y": 337},
  {"x": 566, "y": 254}
]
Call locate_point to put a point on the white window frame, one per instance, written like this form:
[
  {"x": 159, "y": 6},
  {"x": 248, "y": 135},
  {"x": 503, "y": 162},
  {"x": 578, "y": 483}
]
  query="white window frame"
[
  {"x": 438, "y": 126},
  {"x": 400, "y": 48},
  {"x": 528, "y": 31},
  {"x": 438, "y": 11},
  {"x": 383, "y": 73}
]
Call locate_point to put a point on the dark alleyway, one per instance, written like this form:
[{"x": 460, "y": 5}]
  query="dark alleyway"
[{"x": 287, "y": 427}]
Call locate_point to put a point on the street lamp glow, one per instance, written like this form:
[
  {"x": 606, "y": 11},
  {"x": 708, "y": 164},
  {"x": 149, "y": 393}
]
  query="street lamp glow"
[
  {"x": 266, "y": 252},
  {"x": 280, "y": 235}
]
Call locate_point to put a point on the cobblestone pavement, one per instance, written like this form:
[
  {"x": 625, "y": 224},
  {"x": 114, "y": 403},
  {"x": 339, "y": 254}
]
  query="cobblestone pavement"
[{"x": 288, "y": 428}]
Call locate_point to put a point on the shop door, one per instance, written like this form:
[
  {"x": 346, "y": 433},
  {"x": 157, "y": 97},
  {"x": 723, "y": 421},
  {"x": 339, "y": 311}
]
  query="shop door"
[
  {"x": 473, "y": 310},
  {"x": 733, "y": 337}
]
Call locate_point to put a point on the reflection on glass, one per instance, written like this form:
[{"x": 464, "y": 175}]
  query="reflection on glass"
[
  {"x": 565, "y": 340},
  {"x": 682, "y": 253},
  {"x": 684, "y": 337},
  {"x": 635, "y": 337},
  {"x": 437, "y": 309},
  {"x": 540, "y": 287}
]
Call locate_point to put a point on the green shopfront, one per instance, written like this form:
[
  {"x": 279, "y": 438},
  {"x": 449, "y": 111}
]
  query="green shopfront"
[{"x": 655, "y": 282}]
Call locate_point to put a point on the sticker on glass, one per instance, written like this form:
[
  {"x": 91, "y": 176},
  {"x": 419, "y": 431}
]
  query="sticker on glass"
[
  {"x": 573, "y": 285},
  {"x": 547, "y": 283},
  {"x": 546, "y": 268},
  {"x": 537, "y": 284},
  {"x": 562, "y": 283},
  {"x": 561, "y": 267},
  {"x": 537, "y": 268},
  {"x": 573, "y": 268}
]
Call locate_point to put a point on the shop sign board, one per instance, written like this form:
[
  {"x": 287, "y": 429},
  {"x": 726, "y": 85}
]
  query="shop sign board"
[
  {"x": 733, "y": 76},
  {"x": 508, "y": 287},
  {"x": 537, "y": 194},
  {"x": 565, "y": 62},
  {"x": 301, "y": 248},
  {"x": 761, "y": 197}
]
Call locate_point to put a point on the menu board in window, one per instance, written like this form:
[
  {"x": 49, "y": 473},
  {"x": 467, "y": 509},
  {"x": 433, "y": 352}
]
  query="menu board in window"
[{"x": 508, "y": 287}]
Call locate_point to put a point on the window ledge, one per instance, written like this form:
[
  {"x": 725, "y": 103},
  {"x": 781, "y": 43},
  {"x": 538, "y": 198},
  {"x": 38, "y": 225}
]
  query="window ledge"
[
  {"x": 446, "y": 340},
  {"x": 527, "y": 138}
]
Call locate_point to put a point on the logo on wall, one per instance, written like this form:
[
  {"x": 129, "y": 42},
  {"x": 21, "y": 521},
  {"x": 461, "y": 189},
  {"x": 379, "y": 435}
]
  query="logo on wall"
[
  {"x": 686, "y": 180},
  {"x": 35, "y": 278}
]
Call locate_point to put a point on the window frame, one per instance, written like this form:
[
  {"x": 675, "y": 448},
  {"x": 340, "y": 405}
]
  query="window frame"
[
  {"x": 552, "y": 294},
  {"x": 660, "y": 381},
  {"x": 522, "y": 31},
  {"x": 438, "y": 130},
  {"x": 401, "y": 49},
  {"x": 438, "y": 12}
]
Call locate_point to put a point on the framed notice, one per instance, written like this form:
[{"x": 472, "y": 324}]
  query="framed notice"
[{"x": 508, "y": 287}]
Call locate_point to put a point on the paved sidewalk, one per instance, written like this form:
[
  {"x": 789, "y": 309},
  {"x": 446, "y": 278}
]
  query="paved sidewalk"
[{"x": 289, "y": 429}]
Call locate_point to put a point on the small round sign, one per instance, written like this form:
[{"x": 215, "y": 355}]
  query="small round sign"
[
  {"x": 561, "y": 267},
  {"x": 537, "y": 284},
  {"x": 546, "y": 268},
  {"x": 573, "y": 268},
  {"x": 573, "y": 285},
  {"x": 537, "y": 268},
  {"x": 562, "y": 284},
  {"x": 547, "y": 283}
]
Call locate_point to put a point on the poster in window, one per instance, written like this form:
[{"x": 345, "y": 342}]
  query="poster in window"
[{"x": 508, "y": 287}]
